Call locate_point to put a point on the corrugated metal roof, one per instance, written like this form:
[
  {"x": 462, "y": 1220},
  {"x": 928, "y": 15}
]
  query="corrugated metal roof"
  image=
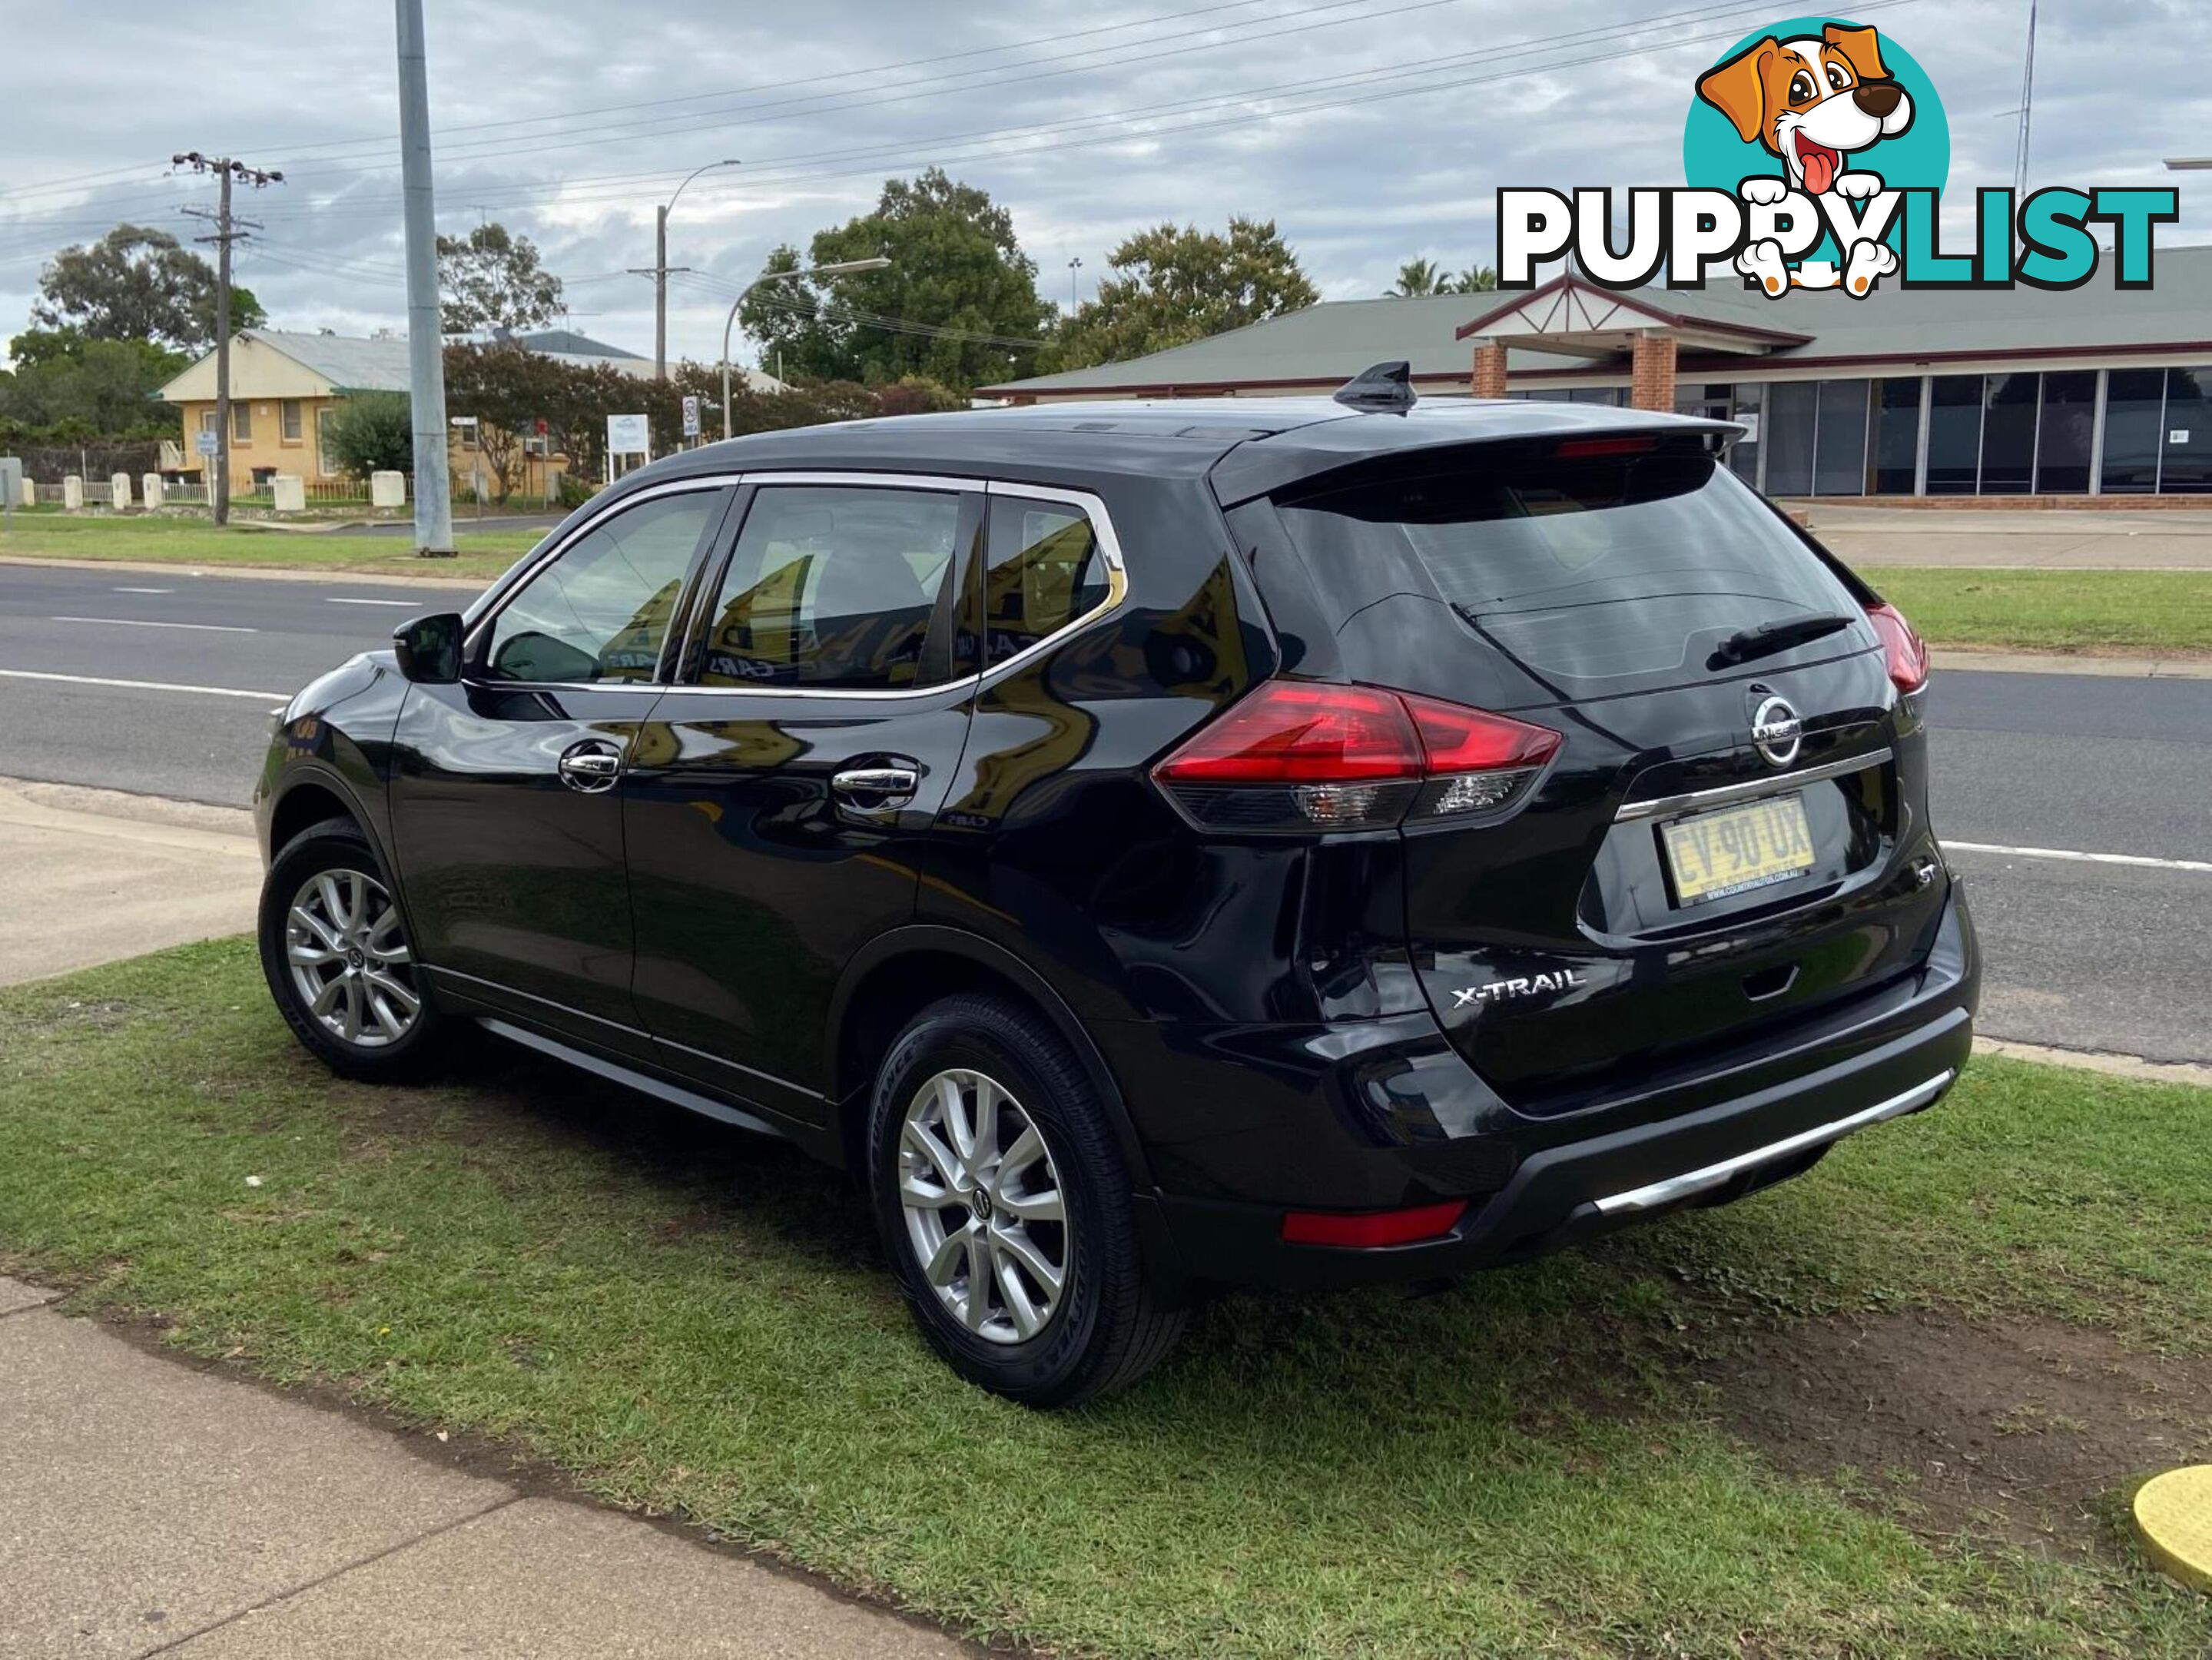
[
  {"x": 567, "y": 342},
  {"x": 347, "y": 363},
  {"x": 1336, "y": 340}
]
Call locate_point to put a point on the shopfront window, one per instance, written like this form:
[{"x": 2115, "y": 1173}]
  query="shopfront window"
[
  {"x": 2135, "y": 411},
  {"x": 2066, "y": 433},
  {"x": 1840, "y": 441},
  {"x": 1743, "y": 459},
  {"x": 2008, "y": 402},
  {"x": 2186, "y": 463},
  {"x": 1896, "y": 456},
  {"x": 1791, "y": 407},
  {"x": 1954, "y": 433}
]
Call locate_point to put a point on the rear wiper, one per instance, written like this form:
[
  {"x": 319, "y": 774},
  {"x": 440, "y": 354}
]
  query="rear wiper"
[{"x": 1767, "y": 638}]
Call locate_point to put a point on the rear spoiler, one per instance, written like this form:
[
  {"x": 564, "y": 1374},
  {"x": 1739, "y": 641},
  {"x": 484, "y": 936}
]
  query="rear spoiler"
[{"x": 1264, "y": 465}]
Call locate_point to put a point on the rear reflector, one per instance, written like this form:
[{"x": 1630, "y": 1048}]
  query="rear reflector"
[
  {"x": 1906, "y": 654},
  {"x": 1303, "y": 755},
  {"x": 1367, "y": 1230}
]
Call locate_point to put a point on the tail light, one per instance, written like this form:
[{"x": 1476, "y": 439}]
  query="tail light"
[
  {"x": 1906, "y": 652},
  {"x": 1299, "y": 755}
]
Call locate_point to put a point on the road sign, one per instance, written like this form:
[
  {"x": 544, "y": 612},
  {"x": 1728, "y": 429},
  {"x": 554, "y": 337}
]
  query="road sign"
[
  {"x": 627, "y": 435},
  {"x": 206, "y": 441},
  {"x": 691, "y": 415}
]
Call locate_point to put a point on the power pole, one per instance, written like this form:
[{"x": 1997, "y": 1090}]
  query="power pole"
[
  {"x": 661, "y": 271},
  {"x": 227, "y": 231},
  {"x": 426, "y": 343}
]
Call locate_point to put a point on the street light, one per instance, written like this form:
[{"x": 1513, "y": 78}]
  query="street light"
[
  {"x": 660, "y": 268},
  {"x": 843, "y": 267}
]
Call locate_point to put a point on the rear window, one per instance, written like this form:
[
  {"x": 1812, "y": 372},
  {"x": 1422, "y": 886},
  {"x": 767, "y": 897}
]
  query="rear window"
[{"x": 1595, "y": 574}]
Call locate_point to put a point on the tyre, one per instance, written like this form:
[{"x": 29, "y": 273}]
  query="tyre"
[
  {"x": 1005, "y": 1207},
  {"x": 337, "y": 961}
]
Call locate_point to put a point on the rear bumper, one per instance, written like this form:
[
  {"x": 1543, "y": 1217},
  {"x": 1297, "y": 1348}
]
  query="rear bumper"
[{"x": 1551, "y": 1181}]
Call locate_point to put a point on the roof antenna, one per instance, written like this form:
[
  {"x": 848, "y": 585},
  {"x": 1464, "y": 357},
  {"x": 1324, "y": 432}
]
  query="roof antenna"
[{"x": 1385, "y": 389}]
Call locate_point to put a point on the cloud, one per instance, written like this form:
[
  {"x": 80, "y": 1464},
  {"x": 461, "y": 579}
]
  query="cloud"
[{"x": 1371, "y": 130}]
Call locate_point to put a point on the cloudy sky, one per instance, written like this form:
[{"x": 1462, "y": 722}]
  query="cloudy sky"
[{"x": 1371, "y": 131}]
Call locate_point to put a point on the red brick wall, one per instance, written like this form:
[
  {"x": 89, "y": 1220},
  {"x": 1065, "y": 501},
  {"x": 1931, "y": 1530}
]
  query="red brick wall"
[
  {"x": 1488, "y": 379},
  {"x": 1651, "y": 372}
]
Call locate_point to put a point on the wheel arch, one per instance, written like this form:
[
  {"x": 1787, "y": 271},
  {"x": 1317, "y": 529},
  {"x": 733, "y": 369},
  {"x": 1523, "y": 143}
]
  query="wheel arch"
[{"x": 899, "y": 974}]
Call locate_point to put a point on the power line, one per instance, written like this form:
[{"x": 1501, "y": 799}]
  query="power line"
[{"x": 228, "y": 231}]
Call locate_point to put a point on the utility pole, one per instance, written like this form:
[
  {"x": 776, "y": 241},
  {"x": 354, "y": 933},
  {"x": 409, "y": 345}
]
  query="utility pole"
[
  {"x": 1074, "y": 302},
  {"x": 426, "y": 343},
  {"x": 228, "y": 230},
  {"x": 661, "y": 271}
]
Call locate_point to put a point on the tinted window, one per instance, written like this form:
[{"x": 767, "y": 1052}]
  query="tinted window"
[
  {"x": 2008, "y": 434},
  {"x": 1046, "y": 571},
  {"x": 1597, "y": 575},
  {"x": 1897, "y": 436},
  {"x": 832, "y": 586},
  {"x": 2134, "y": 402},
  {"x": 1788, "y": 437},
  {"x": 2186, "y": 464},
  {"x": 1954, "y": 433},
  {"x": 2064, "y": 433},
  {"x": 601, "y": 610}
]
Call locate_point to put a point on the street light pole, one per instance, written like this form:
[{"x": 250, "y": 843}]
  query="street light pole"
[
  {"x": 660, "y": 267},
  {"x": 841, "y": 268}
]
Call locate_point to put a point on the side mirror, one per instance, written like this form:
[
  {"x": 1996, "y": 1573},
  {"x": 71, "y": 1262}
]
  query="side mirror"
[{"x": 429, "y": 648}]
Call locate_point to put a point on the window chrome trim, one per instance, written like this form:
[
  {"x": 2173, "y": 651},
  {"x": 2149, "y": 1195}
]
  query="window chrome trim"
[
  {"x": 718, "y": 481},
  {"x": 1661, "y": 806},
  {"x": 1102, "y": 526}
]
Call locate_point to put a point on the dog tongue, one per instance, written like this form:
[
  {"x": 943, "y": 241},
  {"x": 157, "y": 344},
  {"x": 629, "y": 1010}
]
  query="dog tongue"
[{"x": 1819, "y": 171}]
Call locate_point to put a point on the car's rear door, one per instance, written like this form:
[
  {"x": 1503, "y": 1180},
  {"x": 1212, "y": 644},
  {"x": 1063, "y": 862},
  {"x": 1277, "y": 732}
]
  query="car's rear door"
[
  {"x": 778, "y": 800},
  {"x": 1732, "y": 836},
  {"x": 506, "y": 814}
]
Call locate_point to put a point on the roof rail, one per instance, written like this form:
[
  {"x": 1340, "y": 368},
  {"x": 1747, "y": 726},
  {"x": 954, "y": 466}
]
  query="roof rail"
[{"x": 1386, "y": 388}]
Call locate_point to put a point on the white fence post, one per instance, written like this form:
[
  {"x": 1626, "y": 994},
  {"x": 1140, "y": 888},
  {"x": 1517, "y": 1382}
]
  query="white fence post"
[
  {"x": 287, "y": 492},
  {"x": 387, "y": 489},
  {"x": 150, "y": 489},
  {"x": 118, "y": 491},
  {"x": 72, "y": 493}
]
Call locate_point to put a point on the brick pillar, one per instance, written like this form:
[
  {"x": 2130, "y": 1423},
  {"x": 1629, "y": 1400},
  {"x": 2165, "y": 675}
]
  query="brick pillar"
[
  {"x": 1488, "y": 379},
  {"x": 1651, "y": 372}
]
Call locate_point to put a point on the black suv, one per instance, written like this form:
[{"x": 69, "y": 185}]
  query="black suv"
[{"x": 1159, "y": 846}]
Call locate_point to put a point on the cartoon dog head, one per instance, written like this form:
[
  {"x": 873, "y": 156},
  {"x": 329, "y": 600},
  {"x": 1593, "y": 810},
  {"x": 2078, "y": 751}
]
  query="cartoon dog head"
[{"x": 1812, "y": 101}]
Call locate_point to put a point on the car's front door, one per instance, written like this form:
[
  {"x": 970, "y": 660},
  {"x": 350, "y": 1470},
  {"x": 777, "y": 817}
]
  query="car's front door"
[
  {"x": 506, "y": 807},
  {"x": 780, "y": 794}
]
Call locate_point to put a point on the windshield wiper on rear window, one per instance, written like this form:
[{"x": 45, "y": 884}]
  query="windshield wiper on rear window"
[{"x": 1767, "y": 638}]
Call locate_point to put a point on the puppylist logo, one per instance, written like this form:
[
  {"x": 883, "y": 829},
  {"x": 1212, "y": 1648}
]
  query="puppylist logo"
[{"x": 1816, "y": 152}]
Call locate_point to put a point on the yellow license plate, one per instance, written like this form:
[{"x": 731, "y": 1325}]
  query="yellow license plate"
[{"x": 1714, "y": 854}]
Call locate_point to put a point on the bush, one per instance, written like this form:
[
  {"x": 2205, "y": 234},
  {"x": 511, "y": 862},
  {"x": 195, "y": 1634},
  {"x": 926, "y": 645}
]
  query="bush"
[
  {"x": 372, "y": 432},
  {"x": 573, "y": 492}
]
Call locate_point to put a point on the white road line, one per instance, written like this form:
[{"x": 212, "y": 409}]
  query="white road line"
[
  {"x": 145, "y": 590},
  {"x": 135, "y": 623},
  {"x": 279, "y": 697},
  {"x": 333, "y": 600},
  {"x": 2201, "y": 865}
]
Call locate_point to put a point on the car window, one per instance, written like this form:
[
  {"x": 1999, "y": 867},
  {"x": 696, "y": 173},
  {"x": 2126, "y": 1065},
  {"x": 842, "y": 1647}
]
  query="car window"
[
  {"x": 832, "y": 586},
  {"x": 1045, "y": 571},
  {"x": 601, "y": 610}
]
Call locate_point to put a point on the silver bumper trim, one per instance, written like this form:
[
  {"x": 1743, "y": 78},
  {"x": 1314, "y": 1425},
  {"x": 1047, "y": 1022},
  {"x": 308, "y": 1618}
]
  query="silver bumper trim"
[
  {"x": 1661, "y": 806},
  {"x": 1657, "y": 1194}
]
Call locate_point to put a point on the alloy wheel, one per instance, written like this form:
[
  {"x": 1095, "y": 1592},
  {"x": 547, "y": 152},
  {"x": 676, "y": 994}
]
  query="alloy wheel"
[
  {"x": 985, "y": 1212},
  {"x": 349, "y": 961}
]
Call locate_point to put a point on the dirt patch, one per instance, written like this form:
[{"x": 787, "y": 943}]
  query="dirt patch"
[{"x": 2025, "y": 1431}]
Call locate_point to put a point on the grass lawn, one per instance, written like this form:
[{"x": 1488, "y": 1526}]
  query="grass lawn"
[
  {"x": 482, "y": 554},
  {"x": 1563, "y": 1459},
  {"x": 2124, "y": 612}
]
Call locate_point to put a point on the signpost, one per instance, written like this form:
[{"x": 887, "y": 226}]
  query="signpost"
[
  {"x": 627, "y": 435},
  {"x": 691, "y": 415},
  {"x": 208, "y": 445}
]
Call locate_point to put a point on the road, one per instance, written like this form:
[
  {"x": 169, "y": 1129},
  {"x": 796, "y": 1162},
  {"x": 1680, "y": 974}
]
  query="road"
[{"x": 2081, "y": 954}]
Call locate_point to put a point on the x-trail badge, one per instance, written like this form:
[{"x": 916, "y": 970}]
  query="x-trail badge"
[{"x": 1776, "y": 731}]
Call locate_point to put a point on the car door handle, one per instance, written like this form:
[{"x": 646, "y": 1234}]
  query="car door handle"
[
  {"x": 591, "y": 766},
  {"x": 877, "y": 787}
]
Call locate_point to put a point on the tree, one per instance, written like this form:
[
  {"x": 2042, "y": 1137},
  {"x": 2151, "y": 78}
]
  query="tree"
[
  {"x": 917, "y": 394},
  {"x": 138, "y": 284},
  {"x": 958, "y": 303},
  {"x": 1172, "y": 286},
  {"x": 98, "y": 389},
  {"x": 1420, "y": 277},
  {"x": 492, "y": 280},
  {"x": 372, "y": 432}
]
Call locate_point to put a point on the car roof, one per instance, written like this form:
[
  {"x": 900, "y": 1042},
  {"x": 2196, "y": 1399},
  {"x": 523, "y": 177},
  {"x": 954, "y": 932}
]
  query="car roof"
[{"x": 1249, "y": 445}]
